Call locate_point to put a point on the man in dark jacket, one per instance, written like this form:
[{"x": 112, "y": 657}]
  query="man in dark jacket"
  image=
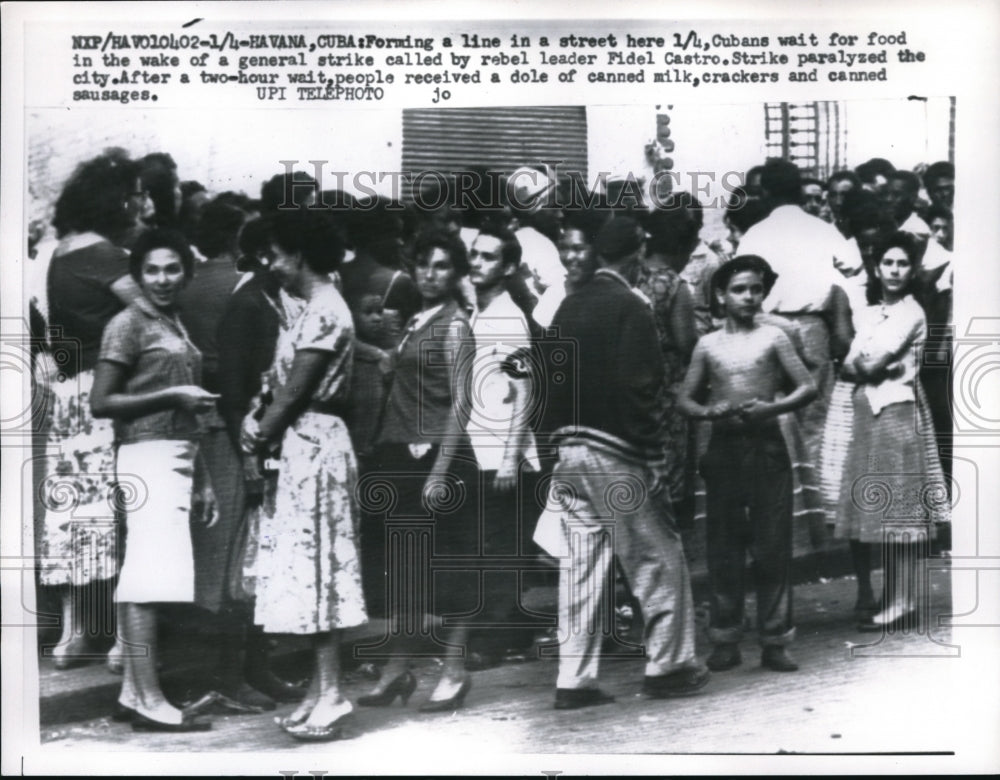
[{"x": 605, "y": 374}]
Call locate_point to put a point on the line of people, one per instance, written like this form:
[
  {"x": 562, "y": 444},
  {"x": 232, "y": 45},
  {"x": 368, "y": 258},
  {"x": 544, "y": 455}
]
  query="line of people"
[{"x": 303, "y": 418}]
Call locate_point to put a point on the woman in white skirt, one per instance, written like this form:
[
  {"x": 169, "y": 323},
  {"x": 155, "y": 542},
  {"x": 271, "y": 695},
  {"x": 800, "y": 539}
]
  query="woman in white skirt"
[
  {"x": 146, "y": 380},
  {"x": 882, "y": 478},
  {"x": 307, "y": 572}
]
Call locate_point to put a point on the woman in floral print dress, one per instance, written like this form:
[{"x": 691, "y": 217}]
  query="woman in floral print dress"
[
  {"x": 88, "y": 283},
  {"x": 671, "y": 236},
  {"x": 308, "y": 578}
]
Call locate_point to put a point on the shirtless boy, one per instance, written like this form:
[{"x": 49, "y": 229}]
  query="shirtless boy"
[{"x": 736, "y": 378}]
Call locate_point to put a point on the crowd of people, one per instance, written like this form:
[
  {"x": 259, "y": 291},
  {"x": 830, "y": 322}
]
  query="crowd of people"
[{"x": 303, "y": 411}]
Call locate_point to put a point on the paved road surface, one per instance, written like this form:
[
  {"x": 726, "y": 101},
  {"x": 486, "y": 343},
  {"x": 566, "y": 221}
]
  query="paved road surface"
[{"x": 887, "y": 694}]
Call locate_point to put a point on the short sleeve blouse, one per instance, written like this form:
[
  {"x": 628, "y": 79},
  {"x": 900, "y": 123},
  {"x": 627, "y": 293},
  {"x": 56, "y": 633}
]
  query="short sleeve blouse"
[
  {"x": 158, "y": 354},
  {"x": 324, "y": 324}
]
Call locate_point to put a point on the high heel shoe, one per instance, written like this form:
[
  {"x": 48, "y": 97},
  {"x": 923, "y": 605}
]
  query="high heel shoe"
[
  {"x": 122, "y": 714},
  {"x": 449, "y": 705},
  {"x": 402, "y": 686}
]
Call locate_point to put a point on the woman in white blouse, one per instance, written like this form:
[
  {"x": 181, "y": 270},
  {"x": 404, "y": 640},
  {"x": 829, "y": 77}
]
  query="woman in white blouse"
[{"x": 881, "y": 473}]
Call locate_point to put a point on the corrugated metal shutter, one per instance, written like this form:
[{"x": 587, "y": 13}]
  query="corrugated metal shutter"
[{"x": 501, "y": 139}]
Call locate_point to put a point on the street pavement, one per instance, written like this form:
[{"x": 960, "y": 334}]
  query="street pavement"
[{"x": 855, "y": 693}]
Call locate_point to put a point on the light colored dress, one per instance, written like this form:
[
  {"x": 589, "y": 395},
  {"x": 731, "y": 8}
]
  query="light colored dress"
[
  {"x": 881, "y": 474},
  {"x": 307, "y": 568}
]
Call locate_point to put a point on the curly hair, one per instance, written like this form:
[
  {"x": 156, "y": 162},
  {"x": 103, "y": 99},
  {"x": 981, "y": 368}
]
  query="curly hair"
[
  {"x": 313, "y": 234},
  {"x": 161, "y": 238},
  {"x": 96, "y": 197}
]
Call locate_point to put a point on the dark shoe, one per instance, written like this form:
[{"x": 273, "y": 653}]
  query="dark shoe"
[
  {"x": 190, "y": 723},
  {"x": 66, "y": 662},
  {"x": 122, "y": 714},
  {"x": 516, "y": 656},
  {"x": 478, "y": 662},
  {"x": 402, "y": 686},
  {"x": 777, "y": 659},
  {"x": 865, "y": 607},
  {"x": 449, "y": 705},
  {"x": 547, "y": 640},
  {"x": 724, "y": 656},
  {"x": 577, "y": 698},
  {"x": 275, "y": 688},
  {"x": 685, "y": 682}
]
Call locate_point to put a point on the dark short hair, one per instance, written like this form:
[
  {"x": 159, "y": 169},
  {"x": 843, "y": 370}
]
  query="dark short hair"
[
  {"x": 672, "y": 231},
  {"x": 218, "y": 227},
  {"x": 939, "y": 170},
  {"x": 94, "y": 198},
  {"x": 876, "y": 166},
  {"x": 510, "y": 248},
  {"x": 910, "y": 179},
  {"x": 254, "y": 243},
  {"x": 159, "y": 175},
  {"x": 685, "y": 200},
  {"x": 914, "y": 249},
  {"x": 314, "y": 235},
  {"x": 284, "y": 191},
  {"x": 161, "y": 238},
  {"x": 430, "y": 240},
  {"x": 725, "y": 272},
  {"x": 810, "y": 180},
  {"x": 373, "y": 220},
  {"x": 743, "y": 214},
  {"x": 864, "y": 210},
  {"x": 781, "y": 180},
  {"x": 836, "y": 176},
  {"x": 620, "y": 237}
]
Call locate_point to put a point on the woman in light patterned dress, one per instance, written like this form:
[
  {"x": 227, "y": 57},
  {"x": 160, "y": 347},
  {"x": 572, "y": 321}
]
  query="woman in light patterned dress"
[
  {"x": 88, "y": 283},
  {"x": 308, "y": 578}
]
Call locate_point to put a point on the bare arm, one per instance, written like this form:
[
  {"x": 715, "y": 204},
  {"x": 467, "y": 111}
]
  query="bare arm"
[
  {"x": 291, "y": 399},
  {"x": 458, "y": 343},
  {"x": 682, "y": 321},
  {"x": 875, "y": 368},
  {"x": 517, "y": 435},
  {"x": 108, "y": 400},
  {"x": 839, "y": 322}
]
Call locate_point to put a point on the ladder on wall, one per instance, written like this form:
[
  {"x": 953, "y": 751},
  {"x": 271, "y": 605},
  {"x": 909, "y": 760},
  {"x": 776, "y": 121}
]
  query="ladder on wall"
[{"x": 807, "y": 134}]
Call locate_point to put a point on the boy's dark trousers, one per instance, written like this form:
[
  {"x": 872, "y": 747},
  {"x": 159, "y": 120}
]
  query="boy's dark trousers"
[{"x": 748, "y": 481}]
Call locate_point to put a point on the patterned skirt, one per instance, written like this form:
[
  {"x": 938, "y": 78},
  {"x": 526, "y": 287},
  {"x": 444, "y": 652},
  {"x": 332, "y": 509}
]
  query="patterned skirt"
[
  {"x": 306, "y": 572},
  {"x": 77, "y": 537},
  {"x": 881, "y": 474}
]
